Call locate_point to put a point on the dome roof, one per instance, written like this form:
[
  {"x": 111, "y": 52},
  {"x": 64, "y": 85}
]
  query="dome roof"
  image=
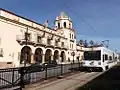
[{"x": 63, "y": 15}]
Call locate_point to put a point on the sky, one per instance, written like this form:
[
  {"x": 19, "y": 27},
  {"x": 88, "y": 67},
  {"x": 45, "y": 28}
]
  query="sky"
[{"x": 96, "y": 20}]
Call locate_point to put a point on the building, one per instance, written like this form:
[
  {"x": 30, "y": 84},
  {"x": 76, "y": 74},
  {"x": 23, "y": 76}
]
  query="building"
[{"x": 23, "y": 40}]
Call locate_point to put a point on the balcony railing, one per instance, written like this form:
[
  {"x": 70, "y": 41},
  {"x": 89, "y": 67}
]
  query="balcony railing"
[
  {"x": 57, "y": 45},
  {"x": 50, "y": 44},
  {"x": 64, "y": 46},
  {"x": 41, "y": 42},
  {"x": 22, "y": 40},
  {"x": 33, "y": 41}
]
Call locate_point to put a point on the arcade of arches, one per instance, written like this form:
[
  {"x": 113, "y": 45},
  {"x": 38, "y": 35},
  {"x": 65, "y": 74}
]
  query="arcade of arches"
[
  {"x": 39, "y": 57},
  {"x": 25, "y": 54}
]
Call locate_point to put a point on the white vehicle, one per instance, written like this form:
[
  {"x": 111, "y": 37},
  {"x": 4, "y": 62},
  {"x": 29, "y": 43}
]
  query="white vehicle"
[{"x": 99, "y": 58}]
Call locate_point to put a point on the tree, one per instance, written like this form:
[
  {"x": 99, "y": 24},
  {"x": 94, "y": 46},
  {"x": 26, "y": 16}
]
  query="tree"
[
  {"x": 85, "y": 43},
  {"x": 91, "y": 42},
  {"x": 81, "y": 42}
]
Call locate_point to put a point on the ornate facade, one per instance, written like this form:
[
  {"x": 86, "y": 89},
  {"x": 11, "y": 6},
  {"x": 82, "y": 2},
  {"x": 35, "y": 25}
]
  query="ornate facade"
[{"x": 23, "y": 39}]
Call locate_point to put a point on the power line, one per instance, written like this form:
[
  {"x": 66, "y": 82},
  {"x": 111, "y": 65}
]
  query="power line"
[{"x": 78, "y": 16}]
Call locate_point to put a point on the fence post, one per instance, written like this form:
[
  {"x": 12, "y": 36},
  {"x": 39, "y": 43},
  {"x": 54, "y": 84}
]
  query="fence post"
[
  {"x": 79, "y": 66},
  {"x": 71, "y": 67},
  {"x": 13, "y": 77},
  {"x": 45, "y": 72},
  {"x": 61, "y": 69},
  {"x": 21, "y": 77}
]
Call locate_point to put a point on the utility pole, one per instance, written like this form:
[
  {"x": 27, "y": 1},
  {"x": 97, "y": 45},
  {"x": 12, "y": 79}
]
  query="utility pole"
[{"x": 106, "y": 44}]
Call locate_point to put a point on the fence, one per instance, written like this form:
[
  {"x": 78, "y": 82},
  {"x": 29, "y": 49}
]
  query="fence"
[{"x": 13, "y": 77}]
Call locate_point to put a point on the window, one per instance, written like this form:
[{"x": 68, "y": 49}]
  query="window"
[
  {"x": 27, "y": 36},
  {"x": 103, "y": 57},
  {"x": 110, "y": 57},
  {"x": 64, "y": 24},
  {"x": 92, "y": 55},
  {"x": 77, "y": 58},
  {"x": 58, "y": 25},
  {"x": 56, "y": 43},
  {"x": 72, "y": 46},
  {"x": 115, "y": 58},
  {"x": 70, "y": 35},
  {"x": 106, "y": 57},
  {"x": 62, "y": 44},
  {"x": 68, "y": 59},
  {"x": 48, "y": 41},
  {"x": 39, "y": 39},
  {"x": 1, "y": 52},
  {"x": 69, "y": 25}
]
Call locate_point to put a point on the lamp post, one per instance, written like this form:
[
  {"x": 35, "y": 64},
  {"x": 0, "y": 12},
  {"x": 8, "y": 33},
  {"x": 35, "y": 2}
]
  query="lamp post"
[
  {"x": 73, "y": 54},
  {"x": 26, "y": 42}
]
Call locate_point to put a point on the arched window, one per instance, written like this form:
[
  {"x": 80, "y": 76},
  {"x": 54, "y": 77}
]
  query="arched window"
[
  {"x": 64, "y": 24},
  {"x": 58, "y": 25},
  {"x": 72, "y": 36},
  {"x": 69, "y": 25}
]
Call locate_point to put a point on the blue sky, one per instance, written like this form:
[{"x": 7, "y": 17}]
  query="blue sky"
[{"x": 92, "y": 19}]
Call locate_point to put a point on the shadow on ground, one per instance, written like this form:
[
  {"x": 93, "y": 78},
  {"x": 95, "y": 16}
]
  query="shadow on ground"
[{"x": 107, "y": 81}]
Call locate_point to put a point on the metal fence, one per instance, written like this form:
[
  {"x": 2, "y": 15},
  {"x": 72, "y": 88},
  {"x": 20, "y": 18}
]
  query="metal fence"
[{"x": 13, "y": 77}]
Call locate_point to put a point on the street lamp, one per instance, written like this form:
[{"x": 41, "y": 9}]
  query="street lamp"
[
  {"x": 73, "y": 54},
  {"x": 26, "y": 42}
]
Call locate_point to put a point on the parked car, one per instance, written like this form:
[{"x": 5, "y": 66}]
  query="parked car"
[
  {"x": 49, "y": 64},
  {"x": 35, "y": 68}
]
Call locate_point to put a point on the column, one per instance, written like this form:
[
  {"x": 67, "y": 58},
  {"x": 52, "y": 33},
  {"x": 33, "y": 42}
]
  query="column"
[
  {"x": 32, "y": 58},
  {"x": 52, "y": 57},
  {"x": 43, "y": 58}
]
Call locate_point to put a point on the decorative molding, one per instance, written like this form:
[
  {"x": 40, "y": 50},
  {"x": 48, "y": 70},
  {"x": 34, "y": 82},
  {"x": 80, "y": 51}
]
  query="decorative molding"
[{"x": 50, "y": 36}]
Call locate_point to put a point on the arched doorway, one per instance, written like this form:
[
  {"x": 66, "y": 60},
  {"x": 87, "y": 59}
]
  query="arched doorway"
[
  {"x": 25, "y": 55},
  {"x": 56, "y": 55},
  {"x": 38, "y": 55},
  {"x": 48, "y": 55},
  {"x": 63, "y": 57}
]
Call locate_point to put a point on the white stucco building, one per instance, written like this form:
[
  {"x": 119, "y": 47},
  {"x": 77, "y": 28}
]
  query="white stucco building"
[{"x": 43, "y": 43}]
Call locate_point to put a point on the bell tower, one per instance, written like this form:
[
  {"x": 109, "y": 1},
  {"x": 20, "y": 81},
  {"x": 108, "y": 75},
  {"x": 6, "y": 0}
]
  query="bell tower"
[
  {"x": 63, "y": 21},
  {"x": 63, "y": 26}
]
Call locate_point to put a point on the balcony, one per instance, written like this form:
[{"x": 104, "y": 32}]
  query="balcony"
[
  {"x": 21, "y": 39},
  {"x": 50, "y": 43},
  {"x": 40, "y": 42},
  {"x": 64, "y": 46},
  {"x": 58, "y": 45}
]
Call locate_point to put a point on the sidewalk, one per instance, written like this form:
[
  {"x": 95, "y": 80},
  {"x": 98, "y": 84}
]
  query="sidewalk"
[{"x": 68, "y": 83}]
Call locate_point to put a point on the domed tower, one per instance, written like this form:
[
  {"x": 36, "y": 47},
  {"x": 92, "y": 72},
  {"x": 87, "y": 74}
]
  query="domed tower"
[
  {"x": 63, "y": 21},
  {"x": 63, "y": 26}
]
